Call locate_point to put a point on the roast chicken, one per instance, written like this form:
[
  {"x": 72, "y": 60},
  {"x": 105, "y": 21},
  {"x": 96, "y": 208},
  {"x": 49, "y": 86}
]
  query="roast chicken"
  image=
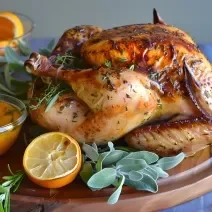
[{"x": 146, "y": 84}]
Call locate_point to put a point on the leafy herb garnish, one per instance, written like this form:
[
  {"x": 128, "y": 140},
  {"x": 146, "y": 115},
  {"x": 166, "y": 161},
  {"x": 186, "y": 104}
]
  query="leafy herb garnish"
[
  {"x": 11, "y": 184},
  {"x": 50, "y": 96},
  {"x": 47, "y": 51},
  {"x": 123, "y": 59},
  {"x": 68, "y": 60},
  {"x": 132, "y": 67},
  {"x": 108, "y": 64},
  {"x": 118, "y": 167},
  {"x": 9, "y": 82},
  {"x": 153, "y": 75},
  {"x": 24, "y": 47}
]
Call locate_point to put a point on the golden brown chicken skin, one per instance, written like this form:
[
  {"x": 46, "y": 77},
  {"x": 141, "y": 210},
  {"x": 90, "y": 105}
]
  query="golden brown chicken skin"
[{"x": 156, "y": 71}]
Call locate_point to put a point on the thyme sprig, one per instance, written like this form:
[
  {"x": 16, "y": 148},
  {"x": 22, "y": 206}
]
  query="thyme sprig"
[
  {"x": 68, "y": 60},
  {"x": 50, "y": 96}
]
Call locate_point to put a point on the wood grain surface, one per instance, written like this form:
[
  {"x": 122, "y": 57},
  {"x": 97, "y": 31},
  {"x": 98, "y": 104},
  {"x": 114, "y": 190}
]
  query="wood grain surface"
[{"x": 191, "y": 179}]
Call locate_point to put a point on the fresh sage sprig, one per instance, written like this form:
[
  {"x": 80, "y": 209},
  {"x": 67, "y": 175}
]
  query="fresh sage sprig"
[
  {"x": 11, "y": 184},
  {"x": 14, "y": 67},
  {"x": 10, "y": 80},
  {"x": 118, "y": 167},
  {"x": 47, "y": 51}
]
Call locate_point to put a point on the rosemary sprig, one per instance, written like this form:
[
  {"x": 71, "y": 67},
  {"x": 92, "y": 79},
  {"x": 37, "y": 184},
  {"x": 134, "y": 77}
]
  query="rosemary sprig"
[{"x": 11, "y": 184}]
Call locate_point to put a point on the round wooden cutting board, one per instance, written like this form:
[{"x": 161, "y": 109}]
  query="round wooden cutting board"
[{"x": 191, "y": 179}]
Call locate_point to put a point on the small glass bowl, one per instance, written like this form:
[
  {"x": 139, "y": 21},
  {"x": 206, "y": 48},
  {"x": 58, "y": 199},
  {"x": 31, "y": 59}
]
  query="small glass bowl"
[
  {"x": 28, "y": 25},
  {"x": 10, "y": 132}
]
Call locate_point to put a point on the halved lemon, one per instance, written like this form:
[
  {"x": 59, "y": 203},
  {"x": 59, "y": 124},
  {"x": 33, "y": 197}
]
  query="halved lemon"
[
  {"x": 52, "y": 160},
  {"x": 10, "y": 28}
]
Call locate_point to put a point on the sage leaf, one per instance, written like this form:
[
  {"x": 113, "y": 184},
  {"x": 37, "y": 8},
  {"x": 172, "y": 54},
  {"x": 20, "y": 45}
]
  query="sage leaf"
[
  {"x": 135, "y": 176},
  {"x": 100, "y": 160},
  {"x": 131, "y": 161},
  {"x": 3, "y": 59},
  {"x": 86, "y": 172},
  {"x": 125, "y": 148},
  {"x": 102, "y": 179},
  {"x": 149, "y": 157},
  {"x": 5, "y": 89},
  {"x": 113, "y": 157},
  {"x": 7, "y": 76},
  {"x": 51, "y": 44},
  {"x": 116, "y": 194},
  {"x": 90, "y": 152},
  {"x": 17, "y": 67},
  {"x": 44, "y": 52},
  {"x": 126, "y": 165},
  {"x": 95, "y": 146},
  {"x": 11, "y": 56},
  {"x": 111, "y": 146},
  {"x": 167, "y": 163},
  {"x": 150, "y": 171},
  {"x": 1, "y": 68},
  {"x": 160, "y": 172},
  {"x": 147, "y": 183},
  {"x": 24, "y": 47}
]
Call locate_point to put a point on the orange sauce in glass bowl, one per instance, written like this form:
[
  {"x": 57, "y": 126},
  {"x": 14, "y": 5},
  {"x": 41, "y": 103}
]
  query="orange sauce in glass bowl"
[{"x": 11, "y": 120}]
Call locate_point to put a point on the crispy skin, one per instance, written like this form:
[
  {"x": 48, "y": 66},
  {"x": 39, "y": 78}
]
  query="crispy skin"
[
  {"x": 171, "y": 78},
  {"x": 170, "y": 138},
  {"x": 142, "y": 44},
  {"x": 161, "y": 52},
  {"x": 72, "y": 39}
]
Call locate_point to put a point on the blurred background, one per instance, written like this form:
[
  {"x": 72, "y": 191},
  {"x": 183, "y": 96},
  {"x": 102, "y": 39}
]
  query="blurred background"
[{"x": 52, "y": 17}]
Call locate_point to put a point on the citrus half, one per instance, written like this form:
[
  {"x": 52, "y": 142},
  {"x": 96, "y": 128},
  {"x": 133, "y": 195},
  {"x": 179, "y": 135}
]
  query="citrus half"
[
  {"x": 10, "y": 27},
  {"x": 52, "y": 160}
]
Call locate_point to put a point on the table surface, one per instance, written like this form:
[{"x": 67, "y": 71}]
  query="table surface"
[{"x": 201, "y": 204}]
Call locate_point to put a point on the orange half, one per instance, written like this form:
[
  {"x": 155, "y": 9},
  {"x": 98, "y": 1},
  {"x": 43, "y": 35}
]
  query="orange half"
[
  {"x": 52, "y": 160},
  {"x": 10, "y": 28}
]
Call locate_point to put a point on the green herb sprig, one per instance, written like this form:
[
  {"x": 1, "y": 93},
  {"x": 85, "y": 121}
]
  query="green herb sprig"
[
  {"x": 9, "y": 82},
  {"x": 47, "y": 51},
  {"x": 13, "y": 67},
  {"x": 114, "y": 167},
  {"x": 68, "y": 60},
  {"x": 50, "y": 96},
  {"x": 11, "y": 184},
  {"x": 108, "y": 64}
]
